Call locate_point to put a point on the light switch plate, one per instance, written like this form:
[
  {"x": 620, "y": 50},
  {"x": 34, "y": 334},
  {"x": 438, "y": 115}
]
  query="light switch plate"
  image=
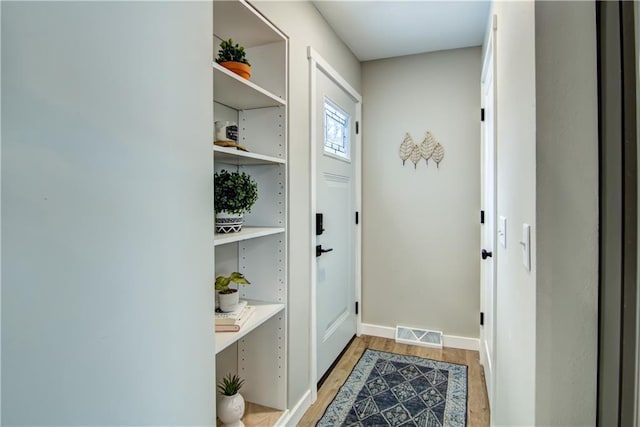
[
  {"x": 526, "y": 246},
  {"x": 502, "y": 231}
]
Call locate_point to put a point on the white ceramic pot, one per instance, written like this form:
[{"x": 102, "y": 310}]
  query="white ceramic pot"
[
  {"x": 228, "y": 302},
  {"x": 226, "y": 131},
  {"x": 230, "y": 410},
  {"x": 228, "y": 223}
]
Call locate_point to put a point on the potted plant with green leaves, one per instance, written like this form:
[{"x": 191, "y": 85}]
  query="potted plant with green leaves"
[
  {"x": 234, "y": 194},
  {"x": 233, "y": 57},
  {"x": 228, "y": 298},
  {"x": 230, "y": 407}
]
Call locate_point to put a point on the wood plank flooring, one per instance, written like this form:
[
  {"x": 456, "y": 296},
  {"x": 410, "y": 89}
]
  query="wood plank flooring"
[{"x": 477, "y": 405}]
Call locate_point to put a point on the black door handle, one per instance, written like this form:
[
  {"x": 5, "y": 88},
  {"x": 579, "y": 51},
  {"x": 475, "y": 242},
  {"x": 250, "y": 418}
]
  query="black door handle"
[
  {"x": 486, "y": 254},
  {"x": 320, "y": 251}
]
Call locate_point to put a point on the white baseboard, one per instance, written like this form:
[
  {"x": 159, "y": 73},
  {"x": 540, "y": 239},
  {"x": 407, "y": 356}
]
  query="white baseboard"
[
  {"x": 452, "y": 341},
  {"x": 464, "y": 343},
  {"x": 378, "y": 331},
  {"x": 293, "y": 416}
]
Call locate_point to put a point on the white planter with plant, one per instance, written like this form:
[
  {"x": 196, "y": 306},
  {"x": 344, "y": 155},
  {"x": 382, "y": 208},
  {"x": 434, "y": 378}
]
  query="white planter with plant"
[
  {"x": 230, "y": 404},
  {"x": 234, "y": 194},
  {"x": 228, "y": 298}
]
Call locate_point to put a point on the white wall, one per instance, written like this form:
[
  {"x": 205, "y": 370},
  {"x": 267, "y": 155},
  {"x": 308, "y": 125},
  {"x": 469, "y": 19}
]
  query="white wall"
[
  {"x": 567, "y": 213},
  {"x": 304, "y": 26},
  {"x": 421, "y": 230},
  {"x": 107, "y": 214},
  {"x": 515, "y": 357}
]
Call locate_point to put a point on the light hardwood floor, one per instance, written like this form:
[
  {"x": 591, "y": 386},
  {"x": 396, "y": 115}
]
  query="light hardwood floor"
[{"x": 477, "y": 404}]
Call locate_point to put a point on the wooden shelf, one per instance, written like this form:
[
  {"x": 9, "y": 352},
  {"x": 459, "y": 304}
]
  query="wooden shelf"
[
  {"x": 241, "y": 94},
  {"x": 245, "y": 234},
  {"x": 258, "y": 415},
  {"x": 264, "y": 311},
  {"x": 233, "y": 156},
  {"x": 237, "y": 20}
]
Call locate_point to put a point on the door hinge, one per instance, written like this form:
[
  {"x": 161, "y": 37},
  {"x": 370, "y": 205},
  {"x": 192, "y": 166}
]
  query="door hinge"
[
  {"x": 481, "y": 217},
  {"x": 357, "y": 128},
  {"x": 481, "y": 319},
  {"x": 357, "y": 307},
  {"x": 357, "y": 218},
  {"x": 482, "y": 114}
]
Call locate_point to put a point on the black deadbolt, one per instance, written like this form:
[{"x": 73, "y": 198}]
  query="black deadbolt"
[{"x": 319, "y": 224}]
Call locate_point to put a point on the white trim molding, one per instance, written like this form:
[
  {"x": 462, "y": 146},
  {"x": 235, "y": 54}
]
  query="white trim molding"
[
  {"x": 293, "y": 417},
  {"x": 317, "y": 63},
  {"x": 452, "y": 341},
  {"x": 332, "y": 73},
  {"x": 378, "y": 331}
]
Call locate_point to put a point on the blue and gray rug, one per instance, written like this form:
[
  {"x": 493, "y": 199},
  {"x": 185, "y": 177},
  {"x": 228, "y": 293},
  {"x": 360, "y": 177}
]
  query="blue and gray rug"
[{"x": 386, "y": 389}]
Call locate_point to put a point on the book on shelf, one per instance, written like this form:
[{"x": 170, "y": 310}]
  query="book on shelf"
[
  {"x": 230, "y": 317},
  {"x": 246, "y": 313}
]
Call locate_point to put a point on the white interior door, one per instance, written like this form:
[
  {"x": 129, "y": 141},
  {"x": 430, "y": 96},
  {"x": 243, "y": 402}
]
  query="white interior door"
[
  {"x": 335, "y": 240},
  {"x": 488, "y": 237}
]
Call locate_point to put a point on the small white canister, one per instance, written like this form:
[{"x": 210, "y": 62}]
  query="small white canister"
[{"x": 226, "y": 131}]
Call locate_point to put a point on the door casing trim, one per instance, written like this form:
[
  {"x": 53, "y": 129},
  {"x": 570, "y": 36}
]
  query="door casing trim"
[
  {"x": 318, "y": 63},
  {"x": 489, "y": 59}
]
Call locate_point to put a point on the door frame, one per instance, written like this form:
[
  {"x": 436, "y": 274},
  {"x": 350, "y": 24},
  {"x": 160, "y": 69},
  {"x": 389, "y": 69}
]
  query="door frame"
[
  {"x": 618, "y": 303},
  {"x": 318, "y": 64},
  {"x": 490, "y": 59}
]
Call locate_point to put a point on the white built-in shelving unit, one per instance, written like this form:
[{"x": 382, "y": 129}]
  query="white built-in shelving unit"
[{"x": 258, "y": 352}]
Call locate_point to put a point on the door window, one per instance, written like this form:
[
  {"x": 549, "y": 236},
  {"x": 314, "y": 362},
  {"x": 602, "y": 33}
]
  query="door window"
[{"x": 336, "y": 131}]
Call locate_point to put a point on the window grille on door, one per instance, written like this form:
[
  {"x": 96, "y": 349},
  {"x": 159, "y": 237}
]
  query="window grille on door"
[{"x": 336, "y": 130}]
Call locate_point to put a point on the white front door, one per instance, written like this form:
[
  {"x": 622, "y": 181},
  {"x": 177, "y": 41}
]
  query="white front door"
[
  {"x": 488, "y": 233},
  {"x": 335, "y": 239}
]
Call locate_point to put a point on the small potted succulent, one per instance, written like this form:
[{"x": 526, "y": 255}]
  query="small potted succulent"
[
  {"x": 234, "y": 194},
  {"x": 228, "y": 298},
  {"x": 233, "y": 57},
  {"x": 230, "y": 407}
]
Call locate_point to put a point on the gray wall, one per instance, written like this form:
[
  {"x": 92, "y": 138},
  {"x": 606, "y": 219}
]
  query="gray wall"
[
  {"x": 107, "y": 214},
  {"x": 567, "y": 213},
  {"x": 305, "y": 26},
  {"x": 421, "y": 233}
]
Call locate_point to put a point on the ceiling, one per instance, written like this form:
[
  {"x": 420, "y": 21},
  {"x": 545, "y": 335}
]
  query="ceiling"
[{"x": 384, "y": 29}]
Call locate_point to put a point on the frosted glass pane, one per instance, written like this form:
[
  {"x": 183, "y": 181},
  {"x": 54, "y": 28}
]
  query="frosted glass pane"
[{"x": 336, "y": 130}]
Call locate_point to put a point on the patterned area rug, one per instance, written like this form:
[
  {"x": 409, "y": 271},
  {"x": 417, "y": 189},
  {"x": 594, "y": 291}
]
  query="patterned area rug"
[{"x": 387, "y": 389}]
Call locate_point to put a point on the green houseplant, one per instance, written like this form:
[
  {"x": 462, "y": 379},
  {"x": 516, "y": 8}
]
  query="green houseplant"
[
  {"x": 233, "y": 57},
  {"x": 234, "y": 194},
  {"x": 230, "y": 407},
  {"x": 228, "y": 298},
  {"x": 230, "y": 385}
]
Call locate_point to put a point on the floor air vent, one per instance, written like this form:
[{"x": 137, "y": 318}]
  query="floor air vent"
[{"x": 416, "y": 336}]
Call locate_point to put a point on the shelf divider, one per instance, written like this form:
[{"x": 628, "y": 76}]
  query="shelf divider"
[
  {"x": 245, "y": 234},
  {"x": 264, "y": 311},
  {"x": 241, "y": 94},
  {"x": 233, "y": 156}
]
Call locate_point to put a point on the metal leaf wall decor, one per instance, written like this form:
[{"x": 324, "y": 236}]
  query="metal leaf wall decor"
[
  {"x": 438, "y": 154},
  {"x": 416, "y": 155},
  {"x": 406, "y": 148},
  {"x": 427, "y": 146},
  {"x": 430, "y": 148}
]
